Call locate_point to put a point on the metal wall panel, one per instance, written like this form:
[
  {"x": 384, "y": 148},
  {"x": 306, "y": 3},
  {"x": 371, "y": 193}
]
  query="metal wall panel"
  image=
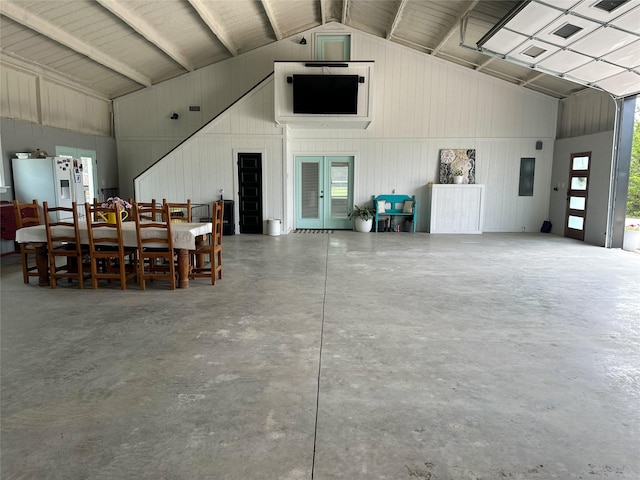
[{"x": 585, "y": 114}]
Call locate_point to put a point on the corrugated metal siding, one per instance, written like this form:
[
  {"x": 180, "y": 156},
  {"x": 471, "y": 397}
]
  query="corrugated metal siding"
[{"x": 586, "y": 113}]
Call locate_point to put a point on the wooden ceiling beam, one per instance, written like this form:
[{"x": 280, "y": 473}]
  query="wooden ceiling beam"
[
  {"x": 144, "y": 28},
  {"x": 268, "y": 8},
  {"x": 214, "y": 25},
  {"x": 57, "y": 34},
  {"x": 396, "y": 19}
]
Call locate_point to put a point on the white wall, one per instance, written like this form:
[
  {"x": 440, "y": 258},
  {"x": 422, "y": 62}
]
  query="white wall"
[
  {"x": 28, "y": 96},
  {"x": 601, "y": 147},
  {"x": 421, "y": 105}
]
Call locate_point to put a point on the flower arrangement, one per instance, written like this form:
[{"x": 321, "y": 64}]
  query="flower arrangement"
[
  {"x": 634, "y": 227},
  {"x": 117, "y": 203}
]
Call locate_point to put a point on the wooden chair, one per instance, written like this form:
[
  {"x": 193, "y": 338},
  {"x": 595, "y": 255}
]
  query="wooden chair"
[
  {"x": 63, "y": 241},
  {"x": 213, "y": 248},
  {"x": 155, "y": 251},
  {"x": 110, "y": 259},
  {"x": 27, "y": 215},
  {"x": 178, "y": 212},
  {"x": 150, "y": 211}
]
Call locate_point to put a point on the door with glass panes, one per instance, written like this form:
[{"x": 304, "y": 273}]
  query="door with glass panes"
[
  {"x": 577, "y": 195},
  {"x": 324, "y": 192}
]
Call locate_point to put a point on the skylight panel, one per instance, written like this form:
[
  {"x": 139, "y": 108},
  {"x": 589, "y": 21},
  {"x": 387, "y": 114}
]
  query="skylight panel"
[
  {"x": 533, "y": 51},
  {"x": 567, "y": 30},
  {"x": 610, "y": 5}
]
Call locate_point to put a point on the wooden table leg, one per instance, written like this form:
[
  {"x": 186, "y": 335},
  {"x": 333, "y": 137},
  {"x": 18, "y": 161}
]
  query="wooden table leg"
[
  {"x": 200, "y": 257},
  {"x": 183, "y": 268},
  {"x": 42, "y": 264}
]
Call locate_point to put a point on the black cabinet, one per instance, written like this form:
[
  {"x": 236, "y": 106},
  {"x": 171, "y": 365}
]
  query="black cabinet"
[{"x": 228, "y": 219}]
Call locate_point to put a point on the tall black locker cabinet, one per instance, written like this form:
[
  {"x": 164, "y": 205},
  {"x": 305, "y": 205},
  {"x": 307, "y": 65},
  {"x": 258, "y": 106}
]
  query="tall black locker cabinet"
[{"x": 228, "y": 219}]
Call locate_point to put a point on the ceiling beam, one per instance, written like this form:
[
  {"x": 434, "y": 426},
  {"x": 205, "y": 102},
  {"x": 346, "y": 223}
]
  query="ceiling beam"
[
  {"x": 485, "y": 63},
  {"x": 214, "y": 25},
  {"x": 345, "y": 8},
  {"x": 37, "y": 24},
  {"x": 396, "y": 19},
  {"x": 268, "y": 8},
  {"x": 323, "y": 11},
  {"x": 146, "y": 30},
  {"x": 453, "y": 26},
  {"x": 531, "y": 79}
]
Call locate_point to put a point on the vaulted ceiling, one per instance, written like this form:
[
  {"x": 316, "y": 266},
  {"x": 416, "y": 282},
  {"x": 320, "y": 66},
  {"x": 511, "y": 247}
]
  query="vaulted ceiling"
[{"x": 115, "y": 47}]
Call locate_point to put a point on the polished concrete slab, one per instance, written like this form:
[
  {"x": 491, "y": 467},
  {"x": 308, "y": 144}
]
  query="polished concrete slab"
[{"x": 334, "y": 356}]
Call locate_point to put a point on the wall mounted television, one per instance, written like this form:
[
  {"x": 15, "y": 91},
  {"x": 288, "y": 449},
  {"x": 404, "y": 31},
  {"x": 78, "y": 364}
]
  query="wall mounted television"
[{"x": 325, "y": 94}]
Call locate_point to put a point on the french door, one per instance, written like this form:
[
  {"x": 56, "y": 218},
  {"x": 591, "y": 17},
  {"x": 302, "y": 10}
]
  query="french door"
[
  {"x": 577, "y": 194},
  {"x": 324, "y": 192}
]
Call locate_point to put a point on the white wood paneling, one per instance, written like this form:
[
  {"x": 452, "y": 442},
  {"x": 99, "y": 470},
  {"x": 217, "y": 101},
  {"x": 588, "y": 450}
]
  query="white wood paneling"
[
  {"x": 455, "y": 208},
  {"x": 421, "y": 105},
  {"x": 31, "y": 97},
  {"x": 18, "y": 92}
]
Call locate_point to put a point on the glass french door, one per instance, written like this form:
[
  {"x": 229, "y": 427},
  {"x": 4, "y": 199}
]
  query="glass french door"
[
  {"x": 577, "y": 194},
  {"x": 324, "y": 192}
]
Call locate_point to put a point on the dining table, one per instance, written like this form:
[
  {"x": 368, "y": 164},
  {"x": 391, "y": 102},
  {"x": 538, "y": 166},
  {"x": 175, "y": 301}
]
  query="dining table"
[{"x": 185, "y": 236}]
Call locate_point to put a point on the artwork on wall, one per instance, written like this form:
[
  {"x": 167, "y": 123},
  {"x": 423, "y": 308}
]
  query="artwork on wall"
[{"x": 453, "y": 160}]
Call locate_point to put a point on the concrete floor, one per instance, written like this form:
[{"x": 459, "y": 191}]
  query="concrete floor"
[{"x": 334, "y": 356}]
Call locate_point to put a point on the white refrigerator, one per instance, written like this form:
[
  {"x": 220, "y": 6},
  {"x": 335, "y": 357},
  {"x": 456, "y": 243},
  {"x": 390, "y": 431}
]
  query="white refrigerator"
[{"x": 55, "y": 180}]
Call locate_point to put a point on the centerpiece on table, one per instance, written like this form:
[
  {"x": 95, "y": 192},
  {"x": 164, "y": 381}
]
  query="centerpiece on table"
[{"x": 120, "y": 205}]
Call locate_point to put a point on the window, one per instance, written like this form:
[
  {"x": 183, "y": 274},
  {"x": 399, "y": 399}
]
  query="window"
[
  {"x": 527, "y": 169},
  {"x": 333, "y": 47}
]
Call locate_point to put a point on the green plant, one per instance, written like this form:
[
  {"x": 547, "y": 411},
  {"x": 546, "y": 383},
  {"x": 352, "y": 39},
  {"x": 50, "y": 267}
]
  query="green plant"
[
  {"x": 364, "y": 213},
  {"x": 458, "y": 173}
]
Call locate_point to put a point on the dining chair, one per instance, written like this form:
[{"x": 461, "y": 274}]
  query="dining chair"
[
  {"x": 150, "y": 211},
  {"x": 178, "y": 212},
  {"x": 110, "y": 258},
  {"x": 27, "y": 215},
  {"x": 213, "y": 248},
  {"x": 156, "y": 258},
  {"x": 63, "y": 242}
]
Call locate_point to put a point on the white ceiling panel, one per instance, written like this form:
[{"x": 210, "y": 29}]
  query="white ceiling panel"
[
  {"x": 623, "y": 84},
  {"x": 603, "y": 41},
  {"x": 590, "y": 9},
  {"x": 594, "y": 71},
  {"x": 533, "y": 18},
  {"x": 564, "y": 61},
  {"x": 120, "y": 46},
  {"x": 627, "y": 56},
  {"x": 630, "y": 21}
]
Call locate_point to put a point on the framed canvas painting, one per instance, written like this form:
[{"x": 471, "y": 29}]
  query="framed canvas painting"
[{"x": 458, "y": 161}]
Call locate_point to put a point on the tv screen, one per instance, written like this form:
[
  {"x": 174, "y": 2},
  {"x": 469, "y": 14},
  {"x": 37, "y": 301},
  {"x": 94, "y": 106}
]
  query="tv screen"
[{"x": 325, "y": 94}]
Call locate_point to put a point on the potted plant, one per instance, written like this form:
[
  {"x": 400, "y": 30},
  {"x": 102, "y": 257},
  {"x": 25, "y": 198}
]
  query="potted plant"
[
  {"x": 631, "y": 239},
  {"x": 362, "y": 218},
  {"x": 458, "y": 176}
]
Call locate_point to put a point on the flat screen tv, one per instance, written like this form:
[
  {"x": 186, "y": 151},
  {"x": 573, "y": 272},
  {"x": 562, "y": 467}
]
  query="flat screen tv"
[{"x": 325, "y": 94}]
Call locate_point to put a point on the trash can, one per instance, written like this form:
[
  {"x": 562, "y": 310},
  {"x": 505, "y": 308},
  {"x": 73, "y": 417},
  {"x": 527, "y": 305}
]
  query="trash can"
[{"x": 274, "y": 226}]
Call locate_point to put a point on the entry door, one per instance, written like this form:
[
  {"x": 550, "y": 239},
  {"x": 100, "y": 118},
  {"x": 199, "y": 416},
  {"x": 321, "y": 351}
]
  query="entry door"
[
  {"x": 577, "y": 194},
  {"x": 250, "y": 194},
  {"x": 324, "y": 192}
]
